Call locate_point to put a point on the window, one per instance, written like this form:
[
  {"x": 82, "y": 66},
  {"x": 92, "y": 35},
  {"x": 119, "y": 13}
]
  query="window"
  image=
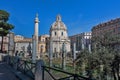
[
  {"x": 114, "y": 30},
  {"x": 55, "y": 50},
  {"x": 55, "y": 33},
  {"x": 43, "y": 40},
  {"x": 119, "y": 29},
  {"x": 42, "y": 46},
  {"x": 61, "y": 33}
]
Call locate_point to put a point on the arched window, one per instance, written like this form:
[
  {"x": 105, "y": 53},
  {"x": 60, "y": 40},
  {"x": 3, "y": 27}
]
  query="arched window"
[
  {"x": 55, "y": 33},
  {"x": 55, "y": 50},
  {"x": 42, "y": 48},
  {"x": 61, "y": 33}
]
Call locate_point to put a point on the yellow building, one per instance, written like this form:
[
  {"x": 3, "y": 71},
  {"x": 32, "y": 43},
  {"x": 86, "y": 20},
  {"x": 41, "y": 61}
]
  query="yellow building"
[
  {"x": 23, "y": 45},
  {"x": 43, "y": 44},
  {"x": 18, "y": 38}
]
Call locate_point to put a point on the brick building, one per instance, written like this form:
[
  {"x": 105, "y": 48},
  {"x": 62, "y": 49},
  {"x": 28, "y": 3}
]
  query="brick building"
[
  {"x": 111, "y": 29},
  {"x": 112, "y": 26}
]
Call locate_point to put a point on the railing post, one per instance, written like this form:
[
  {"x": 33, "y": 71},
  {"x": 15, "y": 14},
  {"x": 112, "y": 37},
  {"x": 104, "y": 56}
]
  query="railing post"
[
  {"x": 43, "y": 75},
  {"x": 8, "y": 59},
  {"x": 74, "y": 77},
  {"x": 39, "y": 72},
  {"x": 16, "y": 59},
  {"x": 25, "y": 63}
]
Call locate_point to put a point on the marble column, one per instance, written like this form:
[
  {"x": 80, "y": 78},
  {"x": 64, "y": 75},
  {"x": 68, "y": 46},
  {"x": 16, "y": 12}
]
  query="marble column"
[
  {"x": 33, "y": 49},
  {"x": 36, "y": 34},
  {"x": 50, "y": 53},
  {"x": 74, "y": 51},
  {"x": 83, "y": 45},
  {"x": 11, "y": 44},
  {"x": 63, "y": 56},
  {"x": 89, "y": 47}
]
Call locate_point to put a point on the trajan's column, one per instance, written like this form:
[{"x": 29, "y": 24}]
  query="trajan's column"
[{"x": 36, "y": 35}]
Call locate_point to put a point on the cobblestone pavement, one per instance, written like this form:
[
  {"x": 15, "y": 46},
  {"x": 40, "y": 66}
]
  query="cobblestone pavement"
[{"x": 5, "y": 73}]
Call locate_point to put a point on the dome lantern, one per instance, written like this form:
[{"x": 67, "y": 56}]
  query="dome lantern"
[
  {"x": 58, "y": 18},
  {"x": 58, "y": 24}
]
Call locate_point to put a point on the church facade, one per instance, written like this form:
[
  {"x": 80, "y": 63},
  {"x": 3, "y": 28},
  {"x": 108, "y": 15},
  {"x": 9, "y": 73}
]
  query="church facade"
[{"x": 58, "y": 37}]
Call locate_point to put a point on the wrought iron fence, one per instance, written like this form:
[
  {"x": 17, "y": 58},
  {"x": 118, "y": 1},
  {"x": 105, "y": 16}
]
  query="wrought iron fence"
[
  {"x": 70, "y": 76},
  {"x": 28, "y": 68}
]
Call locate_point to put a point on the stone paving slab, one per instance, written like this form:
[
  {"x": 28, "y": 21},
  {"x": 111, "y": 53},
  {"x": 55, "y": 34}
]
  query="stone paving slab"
[{"x": 5, "y": 73}]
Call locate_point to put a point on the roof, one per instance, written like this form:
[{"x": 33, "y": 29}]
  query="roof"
[
  {"x": 25, "y": 40},
  {"x": 107, "y": 23},
  {"x": 58, "y": 24}
]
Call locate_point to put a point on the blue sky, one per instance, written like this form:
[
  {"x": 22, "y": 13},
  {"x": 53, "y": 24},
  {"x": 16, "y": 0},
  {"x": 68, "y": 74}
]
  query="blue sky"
[{"x": 78, "y": 15}]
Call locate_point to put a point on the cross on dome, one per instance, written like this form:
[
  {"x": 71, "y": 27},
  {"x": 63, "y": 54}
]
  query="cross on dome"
[{"x": 36, "y": 15}]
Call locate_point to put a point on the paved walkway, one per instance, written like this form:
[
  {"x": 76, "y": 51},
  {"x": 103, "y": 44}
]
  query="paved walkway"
[{"x": 5, "y": 73}]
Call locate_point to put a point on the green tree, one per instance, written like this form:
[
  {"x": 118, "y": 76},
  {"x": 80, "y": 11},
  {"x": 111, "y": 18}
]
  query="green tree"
[
  {"x": 116, "y": 67},
  {"x": 97, "y": 65},
  {"x": 105, "y": 47},
  {"x": 5, "y": 27}
]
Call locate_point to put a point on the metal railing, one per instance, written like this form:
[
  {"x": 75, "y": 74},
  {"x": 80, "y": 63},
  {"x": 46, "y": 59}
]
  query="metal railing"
[
  {"x": 26, "y": 67},
  {"x": 38, "y": 71},
  {"x": 70, "y": 76}
]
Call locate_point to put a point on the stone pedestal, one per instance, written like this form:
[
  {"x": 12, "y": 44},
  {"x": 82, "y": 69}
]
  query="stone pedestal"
[{"x": 39, "y": 72}]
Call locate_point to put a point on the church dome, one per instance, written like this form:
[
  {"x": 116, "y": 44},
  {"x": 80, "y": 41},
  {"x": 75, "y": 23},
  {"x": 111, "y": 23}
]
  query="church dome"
[{"x": 58, "y": 24}]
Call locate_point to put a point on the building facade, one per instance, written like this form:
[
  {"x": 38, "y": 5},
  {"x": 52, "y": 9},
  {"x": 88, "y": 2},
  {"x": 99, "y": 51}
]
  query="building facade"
[
  {"x": 110, "y": 28},
  {"x": 58, "y": 37},
  {"x": 18, "y": 38},
  {"x": 82, "y": 41},
  {"x": 23, "y": 45},
  {"x": 5, "y": 43},
  {"x": 43, "y": 44}
]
